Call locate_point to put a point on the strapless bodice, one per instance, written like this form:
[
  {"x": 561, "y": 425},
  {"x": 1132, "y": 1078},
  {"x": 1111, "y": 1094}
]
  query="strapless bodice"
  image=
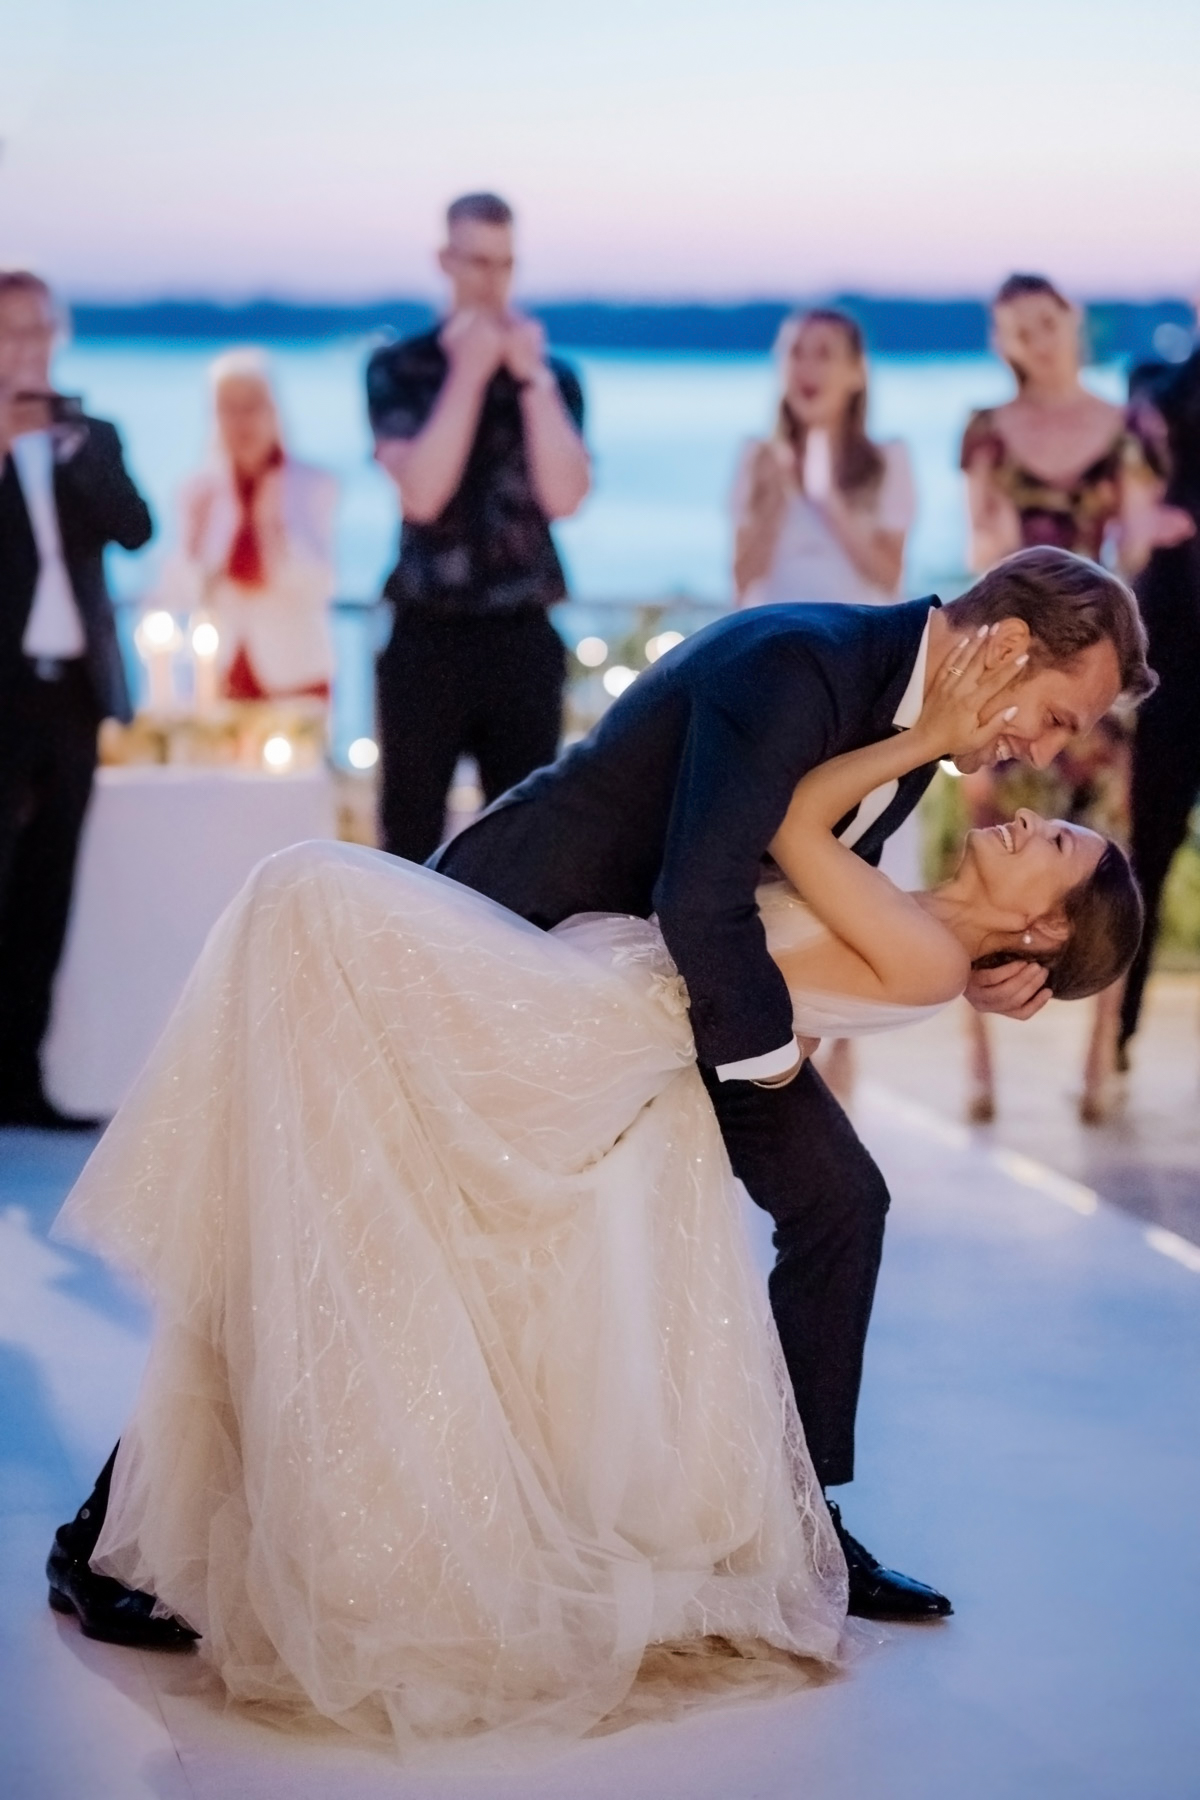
[
  {"x": 635, "y": 947},
  {"x": 789, "y": 925}
]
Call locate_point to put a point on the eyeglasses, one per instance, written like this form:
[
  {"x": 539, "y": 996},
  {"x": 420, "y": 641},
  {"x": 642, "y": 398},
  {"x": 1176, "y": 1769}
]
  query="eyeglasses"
[
  {"x": 27, "y": 334},
  {"x": 484, "y": 265}
]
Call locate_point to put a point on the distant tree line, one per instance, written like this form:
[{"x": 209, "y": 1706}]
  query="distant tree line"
[{"x": 896, "y": 326}]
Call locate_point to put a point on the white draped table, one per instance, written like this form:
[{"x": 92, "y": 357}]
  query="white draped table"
[{"x": 164, "y": 851}]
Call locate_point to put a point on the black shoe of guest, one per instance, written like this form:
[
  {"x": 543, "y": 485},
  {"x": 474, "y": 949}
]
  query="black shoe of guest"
[
  {"x": 36, "y": 1112},
  {"x": 879, "y": 1593},
  {"x": 105, "y": 1609}
]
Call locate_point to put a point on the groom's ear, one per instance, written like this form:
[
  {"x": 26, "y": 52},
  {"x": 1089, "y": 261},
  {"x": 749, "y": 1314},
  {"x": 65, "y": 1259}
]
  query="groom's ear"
[{"x": 1010, "y": 638}]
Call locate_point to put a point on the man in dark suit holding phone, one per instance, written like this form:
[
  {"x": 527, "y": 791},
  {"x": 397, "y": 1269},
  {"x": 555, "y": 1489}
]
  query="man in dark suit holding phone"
[{"x": 64, "y": 495}]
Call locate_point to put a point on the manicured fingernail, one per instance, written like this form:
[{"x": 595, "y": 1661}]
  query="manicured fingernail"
[
  {"x": 983, "y": 631},
  {"x": 1021, "y": 661},
  {"x": 1010, "y": 714}
]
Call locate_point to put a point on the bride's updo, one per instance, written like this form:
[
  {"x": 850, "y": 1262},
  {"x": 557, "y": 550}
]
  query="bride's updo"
[{"x": 1104, "y": 919}]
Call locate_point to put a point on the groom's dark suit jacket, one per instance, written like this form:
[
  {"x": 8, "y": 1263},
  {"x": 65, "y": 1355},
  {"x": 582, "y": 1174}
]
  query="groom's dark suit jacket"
[
  {"x": 97, "y": 505},
  {"x": 669, "y": 805}
]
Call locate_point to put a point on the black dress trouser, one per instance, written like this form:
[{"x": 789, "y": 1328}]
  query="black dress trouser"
[
  {"x": 801, "y": 1160},
  {"x": 1165, "y": 780},
  {"x": 47, "y": 764},
  {"x": 490, "y": 687}
]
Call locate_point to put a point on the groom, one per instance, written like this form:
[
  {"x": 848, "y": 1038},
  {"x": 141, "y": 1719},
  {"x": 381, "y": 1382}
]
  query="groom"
[{"x": 668, "y": 807}]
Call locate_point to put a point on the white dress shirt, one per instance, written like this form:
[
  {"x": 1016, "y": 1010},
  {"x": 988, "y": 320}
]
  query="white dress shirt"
[
  {"x": 54, "y": 627},
  {"x": 778, "y": 1062}
]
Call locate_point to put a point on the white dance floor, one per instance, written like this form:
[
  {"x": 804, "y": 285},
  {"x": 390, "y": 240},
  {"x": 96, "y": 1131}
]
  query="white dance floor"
[{"x": 1030, "y": 1441}]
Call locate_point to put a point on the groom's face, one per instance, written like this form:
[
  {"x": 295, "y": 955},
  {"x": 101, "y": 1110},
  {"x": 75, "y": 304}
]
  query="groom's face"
[{"x": 1053, "y": 706}]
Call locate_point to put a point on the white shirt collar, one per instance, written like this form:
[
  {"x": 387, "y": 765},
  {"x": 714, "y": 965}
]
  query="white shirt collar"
[{"x": 913, "y": 698}]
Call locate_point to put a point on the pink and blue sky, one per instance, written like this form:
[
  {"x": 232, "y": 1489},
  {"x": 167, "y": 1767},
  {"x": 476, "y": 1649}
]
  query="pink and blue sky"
[{"x": 653, "y": 147}]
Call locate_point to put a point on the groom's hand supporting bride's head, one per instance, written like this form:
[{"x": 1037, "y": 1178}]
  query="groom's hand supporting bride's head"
[{"x": 1017, "y": 990}]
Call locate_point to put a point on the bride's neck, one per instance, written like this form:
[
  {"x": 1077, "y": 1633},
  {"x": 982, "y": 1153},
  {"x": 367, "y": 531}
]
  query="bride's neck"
[{"x": 955, "y": 904}]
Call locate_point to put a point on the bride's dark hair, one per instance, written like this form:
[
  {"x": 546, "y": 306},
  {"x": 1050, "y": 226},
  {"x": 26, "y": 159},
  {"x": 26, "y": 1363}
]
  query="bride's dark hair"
[{"x": 1104, "y": 917}]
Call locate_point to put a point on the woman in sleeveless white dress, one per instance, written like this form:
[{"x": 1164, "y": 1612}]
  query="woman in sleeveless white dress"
[{"x": 464, "y": 1394}]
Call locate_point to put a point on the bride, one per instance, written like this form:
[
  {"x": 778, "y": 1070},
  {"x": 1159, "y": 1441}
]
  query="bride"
[{"x": 464, "y": 1421}]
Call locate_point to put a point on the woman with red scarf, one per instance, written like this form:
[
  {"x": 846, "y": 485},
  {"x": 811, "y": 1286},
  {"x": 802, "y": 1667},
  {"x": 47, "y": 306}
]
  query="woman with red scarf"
[{"x": 257, "y": 546}]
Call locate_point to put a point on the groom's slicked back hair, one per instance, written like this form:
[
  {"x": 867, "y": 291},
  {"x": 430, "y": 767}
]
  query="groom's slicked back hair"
[{"x": 1069, "y": 604}]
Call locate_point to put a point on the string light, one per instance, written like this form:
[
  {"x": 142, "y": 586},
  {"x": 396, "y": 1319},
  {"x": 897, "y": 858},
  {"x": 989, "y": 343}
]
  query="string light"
[
  {"x": 658, "y": 646},
  {"x": 618, "y": 678},
  {"x": 592, "y": 651},
  {"x": 277, "y": 752},
  {"x": 363, "y": 753}
]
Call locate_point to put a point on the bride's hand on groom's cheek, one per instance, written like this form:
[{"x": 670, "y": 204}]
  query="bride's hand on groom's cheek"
[
  {"x": 1016, "y": 990},
  {"x": 965, "y": 703}
]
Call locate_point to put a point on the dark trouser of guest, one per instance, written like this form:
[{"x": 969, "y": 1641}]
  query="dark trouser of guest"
[
  {"x": 801, "y": 1160},
  {"x": 48, "y": 725},
  {"x": 1166, "y": 748},
  {"x": 488, "y": 687}
]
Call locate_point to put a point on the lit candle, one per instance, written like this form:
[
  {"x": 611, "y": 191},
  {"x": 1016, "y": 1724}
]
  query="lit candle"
[
  {"x": 156, "y": 639},
  {"x": 206, "y": 641}
]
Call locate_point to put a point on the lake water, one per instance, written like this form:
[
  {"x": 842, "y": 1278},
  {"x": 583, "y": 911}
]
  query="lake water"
[{"x": 665, "y": 432}]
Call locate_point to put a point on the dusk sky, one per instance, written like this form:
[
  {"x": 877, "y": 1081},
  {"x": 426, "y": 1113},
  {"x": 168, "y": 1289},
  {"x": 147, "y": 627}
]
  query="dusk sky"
[{"x": 652, "y": 147}]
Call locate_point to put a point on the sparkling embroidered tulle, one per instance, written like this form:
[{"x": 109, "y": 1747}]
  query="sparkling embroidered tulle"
[{"x": 464, "y": 1420}]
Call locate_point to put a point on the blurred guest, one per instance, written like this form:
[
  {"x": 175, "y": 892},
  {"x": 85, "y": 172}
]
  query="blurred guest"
[
  {"x": 1166, "y": 744},
  {"x": 256, "y": 545},
  {"x": 821, "y": 513},
  {"x": 821, "y": 510},
  {"x": 480, "y": 432},
  {"x": 64, "y": 495},
  {"x": 1055, "y": 465}
]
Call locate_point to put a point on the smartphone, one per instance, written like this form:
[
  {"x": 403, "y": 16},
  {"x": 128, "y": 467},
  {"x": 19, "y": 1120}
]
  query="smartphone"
[
  {"x": 64, "y": 409},
  {"x": 818, "y": 465}
]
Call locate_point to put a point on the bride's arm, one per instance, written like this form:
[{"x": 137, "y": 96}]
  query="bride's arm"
[{"x": 907, "y": 956}]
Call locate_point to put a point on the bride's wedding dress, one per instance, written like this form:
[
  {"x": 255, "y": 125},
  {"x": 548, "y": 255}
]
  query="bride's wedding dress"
[{"x": 464, "y": 1392}]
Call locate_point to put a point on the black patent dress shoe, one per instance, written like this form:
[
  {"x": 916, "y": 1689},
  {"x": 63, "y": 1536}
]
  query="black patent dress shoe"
[
  {"x": 108, "y": 1611},
  {"x": 36, "y": 1112},
  {"x": 879, "y": 1593}
]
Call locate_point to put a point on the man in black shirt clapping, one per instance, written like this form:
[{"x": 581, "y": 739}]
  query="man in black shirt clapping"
[{"x": 481, "y": 433}]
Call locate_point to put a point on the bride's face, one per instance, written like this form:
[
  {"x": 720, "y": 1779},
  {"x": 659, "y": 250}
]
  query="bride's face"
[{"x": 1027, "y": 868}]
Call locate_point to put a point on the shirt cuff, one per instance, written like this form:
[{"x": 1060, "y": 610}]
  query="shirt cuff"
[{"x": 762, "y": 1068}]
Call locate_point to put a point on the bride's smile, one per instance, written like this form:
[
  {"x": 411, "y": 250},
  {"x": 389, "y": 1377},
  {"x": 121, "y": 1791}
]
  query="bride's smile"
[{"x": 1029, "y": 865}]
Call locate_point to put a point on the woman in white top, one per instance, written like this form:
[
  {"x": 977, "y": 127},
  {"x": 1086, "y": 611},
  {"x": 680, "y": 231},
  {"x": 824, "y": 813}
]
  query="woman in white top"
[
  {"x": 256, "y": 545},
  {"x": 821, "y": 511}
]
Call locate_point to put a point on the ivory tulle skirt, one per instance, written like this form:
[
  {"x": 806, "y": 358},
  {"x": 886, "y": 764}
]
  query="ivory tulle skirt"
[{"x": 464, "y": 1421}]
